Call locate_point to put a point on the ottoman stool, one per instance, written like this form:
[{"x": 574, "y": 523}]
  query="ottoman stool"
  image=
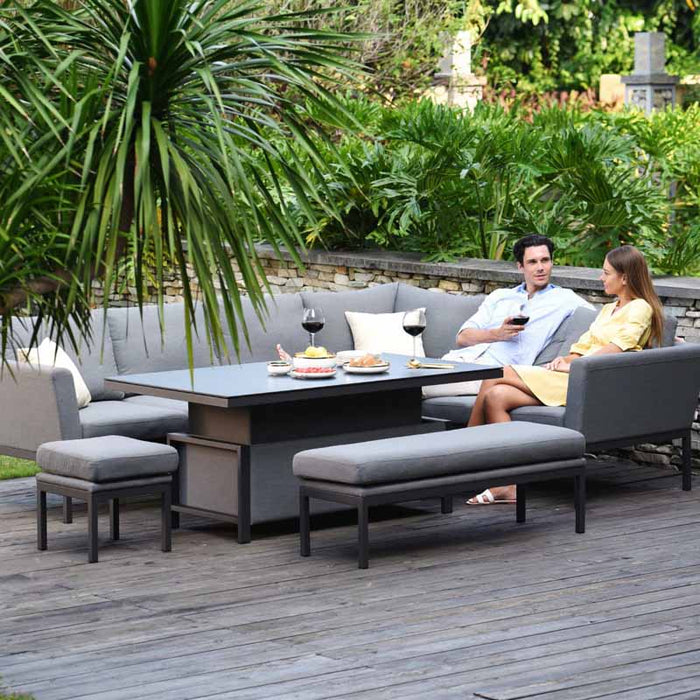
[{"x": 105, "y": 469}]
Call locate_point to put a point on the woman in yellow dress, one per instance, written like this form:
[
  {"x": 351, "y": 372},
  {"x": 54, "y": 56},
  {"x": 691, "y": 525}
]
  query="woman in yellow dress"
[{"x": 632, "y": 322}]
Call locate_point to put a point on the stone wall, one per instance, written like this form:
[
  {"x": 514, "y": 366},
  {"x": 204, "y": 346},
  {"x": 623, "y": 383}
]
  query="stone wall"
[{"x": 337, "y": 271}]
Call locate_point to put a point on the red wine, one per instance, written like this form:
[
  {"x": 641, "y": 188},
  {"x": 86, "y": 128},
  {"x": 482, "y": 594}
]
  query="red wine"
[
  {"x": 520, "y": 320},
  {"x": 414, "y": 329},
  {"x": 312, "y": 326}
]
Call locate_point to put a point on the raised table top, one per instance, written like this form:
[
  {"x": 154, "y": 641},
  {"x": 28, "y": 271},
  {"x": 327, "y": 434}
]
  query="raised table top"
[{"x": 250, "y": 385}]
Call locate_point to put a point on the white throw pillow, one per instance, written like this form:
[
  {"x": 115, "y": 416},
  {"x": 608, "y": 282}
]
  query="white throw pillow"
[
  {"x": 379, "y": 333},
  {"x": 48, "y": 354}
]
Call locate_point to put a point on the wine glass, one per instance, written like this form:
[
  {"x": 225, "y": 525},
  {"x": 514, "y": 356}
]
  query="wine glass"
[
  {"x": 414, "y": 325},
  {"x": 312, "y": 322}
]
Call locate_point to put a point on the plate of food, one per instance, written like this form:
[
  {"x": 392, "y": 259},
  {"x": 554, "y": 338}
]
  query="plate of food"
[
  {"x": 367, "y": 364},
  {"x": 313, "y": 372}
]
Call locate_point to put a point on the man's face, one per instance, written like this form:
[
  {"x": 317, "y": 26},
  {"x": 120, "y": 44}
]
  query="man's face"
[{"x": 536, "y": 267}]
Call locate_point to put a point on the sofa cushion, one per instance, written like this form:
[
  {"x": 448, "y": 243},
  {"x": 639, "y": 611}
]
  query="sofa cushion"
[
  {"x": 378, "y": 333},
  {"x": 455, "y": 409},
  {"x": 140, "y": 347},
  {"x": 94, "y": 358},
  {"x": 450, "y": 452},
  {"x": 109, "y": 458},
  {"x": 544, "y": 415},
  {"x": 567, "y": 334},
  {"x": 158, "y": 402},
  {"x": 444, "y": 315},
  {"x": 282, "y": 324},
  {"x": 336, "y": 333},
  {"x": 139, "y": 420}
]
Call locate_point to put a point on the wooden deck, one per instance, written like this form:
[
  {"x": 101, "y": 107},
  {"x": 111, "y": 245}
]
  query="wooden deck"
[{"x": 456, "y": 606}]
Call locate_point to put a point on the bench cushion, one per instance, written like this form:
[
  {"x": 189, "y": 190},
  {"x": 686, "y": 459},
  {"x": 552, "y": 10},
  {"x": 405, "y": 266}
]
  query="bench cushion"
[
  {"x": 108, "y": 458},
  {"x": 452, "y": 452},
  {"x": 145, "y": 420}
]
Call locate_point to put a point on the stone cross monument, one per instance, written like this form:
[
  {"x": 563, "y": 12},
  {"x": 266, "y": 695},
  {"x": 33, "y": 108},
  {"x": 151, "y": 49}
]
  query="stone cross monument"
[{"x": 649, "y": 87}]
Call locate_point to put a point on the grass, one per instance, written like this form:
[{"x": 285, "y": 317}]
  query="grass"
[
  {"x": 13, "y": 696},
  {"x": 13, "y": 468}
]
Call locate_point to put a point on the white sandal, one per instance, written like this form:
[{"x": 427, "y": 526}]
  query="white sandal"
[{"x": 486, "y": 498}]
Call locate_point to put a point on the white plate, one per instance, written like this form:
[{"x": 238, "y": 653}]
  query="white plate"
[
  {"x": 312, "y": 375},
  {"x": 376, "y": 369}
]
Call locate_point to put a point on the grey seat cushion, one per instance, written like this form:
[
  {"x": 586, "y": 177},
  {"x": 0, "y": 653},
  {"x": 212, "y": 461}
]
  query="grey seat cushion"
[
  {"x": 158, "y": 402},
  {"x": 336, "y": 334},
  {"x": 455, "y": 409},
  {"x": 108, "y": 458},
  {"x": 452, "y": 452},
  {"x": 141, "y": 420},
  {"x": 444, "y": 315}
]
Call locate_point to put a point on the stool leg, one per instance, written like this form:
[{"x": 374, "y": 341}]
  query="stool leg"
[
  {"x": 304, "y": 524},
  {"x": 580, "y": 502},
  {"x": 92, "y": 529},
  {"x": 166, "y": 543},
  {"x": 67, "y": 509},
  {"x": 114, "y": 518},
  {"x": 520, "y": 503},
  {"x": 363, "y": 535},
  {"x": 40, "y": 519},
  {"x": 446, "y": 504},
  {"x": 687, "y": 478}
]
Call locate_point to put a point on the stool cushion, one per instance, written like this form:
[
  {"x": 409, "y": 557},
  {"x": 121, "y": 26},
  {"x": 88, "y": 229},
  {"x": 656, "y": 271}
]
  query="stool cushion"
[
  {"x": 411, "y": 457},
  {"x": 107, "y": 458}
]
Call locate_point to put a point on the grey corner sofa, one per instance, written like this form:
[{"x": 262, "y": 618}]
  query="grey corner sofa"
[{"x": 40, "y": 407}]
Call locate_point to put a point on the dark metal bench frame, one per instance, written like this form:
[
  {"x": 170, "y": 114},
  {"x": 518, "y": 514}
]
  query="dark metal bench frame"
[
  {"x": 364, "y": 497},
  {"x": 162, "y": 487}
]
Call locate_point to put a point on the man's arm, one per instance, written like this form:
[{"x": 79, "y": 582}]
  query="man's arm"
[{"x": 474, "y": 336}]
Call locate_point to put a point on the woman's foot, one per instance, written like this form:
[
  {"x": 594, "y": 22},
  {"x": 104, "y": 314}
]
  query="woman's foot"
[{"x": 495, "y": 496}]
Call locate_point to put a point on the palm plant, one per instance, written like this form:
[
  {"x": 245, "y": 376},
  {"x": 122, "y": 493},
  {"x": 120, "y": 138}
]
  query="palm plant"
[{"x": 142, "y": 129}]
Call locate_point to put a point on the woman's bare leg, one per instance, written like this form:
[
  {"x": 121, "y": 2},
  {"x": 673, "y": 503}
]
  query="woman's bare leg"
[
  {"x": 498, "y": 400},
  {"x": 510, "y": 377}
]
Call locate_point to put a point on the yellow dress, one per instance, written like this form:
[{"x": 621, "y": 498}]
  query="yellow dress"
[{"x": 629, "y": 329}]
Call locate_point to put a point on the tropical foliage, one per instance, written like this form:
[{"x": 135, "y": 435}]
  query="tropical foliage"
[
  {"x": 530, "y": 45},
  {"x": 149, "y": 132},
  {"x": 430, "y": 179}
]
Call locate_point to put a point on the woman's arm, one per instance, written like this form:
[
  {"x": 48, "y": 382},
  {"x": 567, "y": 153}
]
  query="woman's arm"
[{"x": 562, "y": 364}]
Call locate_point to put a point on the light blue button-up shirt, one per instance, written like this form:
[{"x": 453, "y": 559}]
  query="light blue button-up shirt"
[{"x": 547, "y": 309}]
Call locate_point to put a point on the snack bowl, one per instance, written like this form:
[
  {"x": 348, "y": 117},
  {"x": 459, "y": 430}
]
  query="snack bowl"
[
  {"x": 278, "y": 367},
  {"x": 301, "y": 361}
]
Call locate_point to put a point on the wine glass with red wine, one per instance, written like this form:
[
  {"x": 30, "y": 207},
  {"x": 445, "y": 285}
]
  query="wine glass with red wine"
[
  {"x": 414, "y": 325},
  {"x": 312, "y": 322}
]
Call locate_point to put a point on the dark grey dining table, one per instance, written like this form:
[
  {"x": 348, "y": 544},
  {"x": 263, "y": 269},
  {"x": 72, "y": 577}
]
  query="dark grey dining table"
[{"x": 245, "y": 426}]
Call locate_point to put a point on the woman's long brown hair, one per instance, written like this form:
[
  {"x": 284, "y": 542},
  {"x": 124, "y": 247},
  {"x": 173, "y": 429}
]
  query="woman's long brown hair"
[{"x": 628, "y": 261}]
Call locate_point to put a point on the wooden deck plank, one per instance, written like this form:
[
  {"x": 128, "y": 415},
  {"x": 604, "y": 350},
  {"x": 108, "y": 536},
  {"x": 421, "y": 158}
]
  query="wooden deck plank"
[{"x": 452, "y": 604}]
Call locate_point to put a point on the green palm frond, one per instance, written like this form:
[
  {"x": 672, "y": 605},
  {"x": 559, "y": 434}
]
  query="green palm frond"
[{"x": 158, "y": 127}]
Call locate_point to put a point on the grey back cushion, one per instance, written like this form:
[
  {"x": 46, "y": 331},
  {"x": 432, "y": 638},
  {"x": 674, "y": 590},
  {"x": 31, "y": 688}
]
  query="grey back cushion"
[
  {"x": 94, "y": 358},
  {"x": 444, "y": 315},
  {"x": 281, "y": 324},
  {"x": 336, "y": 334},
  {"x": 140, "y": 348},
  {"x": 567, "y": 334},
  {"x": 669, "y": 336}
]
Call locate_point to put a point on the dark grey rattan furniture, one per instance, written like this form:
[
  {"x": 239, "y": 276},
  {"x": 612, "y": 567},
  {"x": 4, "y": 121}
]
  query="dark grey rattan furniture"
[
  {"x": 438, "y": 466},
  {"x": 102, "y": 469}
]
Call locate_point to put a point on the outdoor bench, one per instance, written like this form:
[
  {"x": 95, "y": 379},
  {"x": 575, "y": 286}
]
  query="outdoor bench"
[{"x": 407, "y": 468}]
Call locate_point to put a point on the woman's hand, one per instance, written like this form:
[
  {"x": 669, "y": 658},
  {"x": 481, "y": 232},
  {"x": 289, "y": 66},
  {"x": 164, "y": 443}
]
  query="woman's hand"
[{"x": 559, "y": 364}]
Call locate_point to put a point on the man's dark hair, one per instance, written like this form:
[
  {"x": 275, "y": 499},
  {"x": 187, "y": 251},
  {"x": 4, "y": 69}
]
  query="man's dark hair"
[{"x": 534, "y": 239}]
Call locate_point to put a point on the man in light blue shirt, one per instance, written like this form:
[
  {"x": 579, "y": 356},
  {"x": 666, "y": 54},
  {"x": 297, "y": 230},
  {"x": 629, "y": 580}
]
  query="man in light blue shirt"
[{"x": 491, "y": 337}]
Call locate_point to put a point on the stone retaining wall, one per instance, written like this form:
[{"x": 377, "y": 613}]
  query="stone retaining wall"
[{"x": 338, "y": 271}]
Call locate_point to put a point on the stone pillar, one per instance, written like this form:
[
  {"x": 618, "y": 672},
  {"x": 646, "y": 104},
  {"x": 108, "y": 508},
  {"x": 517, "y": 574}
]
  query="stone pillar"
[
  {"x": 649, "y": 87},
  {"x": 454, "y": 83}
]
